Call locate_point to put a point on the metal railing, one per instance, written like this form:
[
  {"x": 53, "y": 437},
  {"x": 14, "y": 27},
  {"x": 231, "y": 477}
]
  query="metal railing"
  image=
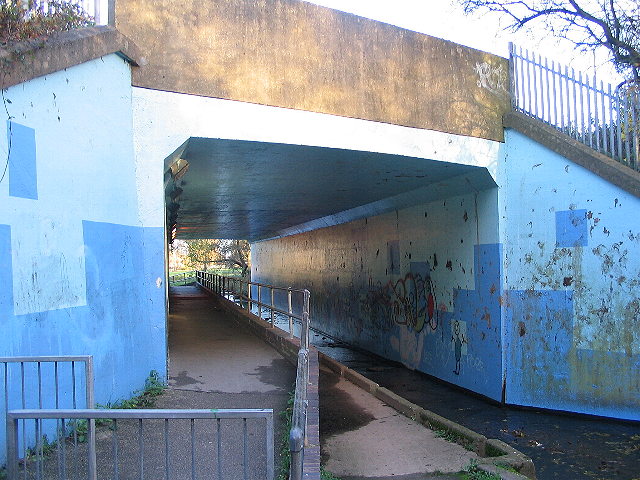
[
  {"x": 240, "y": 290},
  {"x": 298, "y": 432},
  {"x": 94, "y": 8},
  {"x": 48, "y": 382},
  {"x": 600, "y": 116},
  {"x": 183, "y": 278},
  {"x": 148, "y": 444},
  {"x": 290, "y": 303}
]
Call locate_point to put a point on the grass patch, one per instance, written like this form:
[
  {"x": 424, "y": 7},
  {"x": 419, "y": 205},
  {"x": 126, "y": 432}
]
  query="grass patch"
[
  {"x": 453, "y": 437},
  {"x": 325, "y": 475},
  {"x": 473, "y": 472},
  {"x": 145, "y": 398},
  {"x": 492, "y": 451},
  {"x": 506, "y": 467},
  {"x": 285, "y": 454}
]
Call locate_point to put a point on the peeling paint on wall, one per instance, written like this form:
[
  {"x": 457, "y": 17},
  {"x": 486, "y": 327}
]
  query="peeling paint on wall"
[{"x": 572, "y": 299}]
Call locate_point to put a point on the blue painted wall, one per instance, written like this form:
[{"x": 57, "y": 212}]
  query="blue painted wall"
[
  {"x": 537, "y": 293},
  {"x": 82, "y": 267},
  {"x": 572, "y": 272},
  {"x": 421, "y": 286}
]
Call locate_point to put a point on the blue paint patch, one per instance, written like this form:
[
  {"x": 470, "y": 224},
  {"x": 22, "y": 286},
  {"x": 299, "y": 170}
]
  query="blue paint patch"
[
  {"x": 6, "y": 273},
  {"x": 571, "y": 228},
  {"x": 123, "y": 324},
  {"x": 539, "y": 326},
  {"x": 480, "y": 369},
  {"x": 23, "y": 181}
]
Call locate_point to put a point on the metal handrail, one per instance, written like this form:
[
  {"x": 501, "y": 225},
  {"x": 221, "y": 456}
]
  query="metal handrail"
[
  {"x": 596, "y": 114},
  {"x": 241, "y": 290},
  {"x": 75, "y": 415},
  {"x": 174, "y": 278},
  {"x": 228, "y": 285}
]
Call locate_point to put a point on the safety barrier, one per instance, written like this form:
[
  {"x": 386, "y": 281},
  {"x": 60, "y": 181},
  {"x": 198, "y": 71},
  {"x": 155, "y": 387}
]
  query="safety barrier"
[
  {"x": 48, "y": 382},
  {"x": 249, "y": 294},
  {"x": 605, "y": 118},
  {"x": 183, "y": 278},
  {"x": 146, "y": 444}
]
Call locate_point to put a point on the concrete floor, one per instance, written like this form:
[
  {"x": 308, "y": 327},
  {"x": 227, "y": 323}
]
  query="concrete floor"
[
  {"x": 364, "y": 438},
  {"x": 214, "y": 363}
]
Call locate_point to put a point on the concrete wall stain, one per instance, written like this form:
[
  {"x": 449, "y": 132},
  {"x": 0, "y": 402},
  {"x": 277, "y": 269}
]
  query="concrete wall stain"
[
  {"x": 571, "y": 306},
  {"x": 294, "y": 54},
  {"x": 432, "y": 318}
]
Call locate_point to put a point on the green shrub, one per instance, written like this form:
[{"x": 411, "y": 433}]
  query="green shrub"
[{"x": 21, "y": 20}]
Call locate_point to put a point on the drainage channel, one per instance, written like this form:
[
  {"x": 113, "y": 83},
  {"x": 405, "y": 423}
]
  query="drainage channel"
[{"x": 562, "y": 446}]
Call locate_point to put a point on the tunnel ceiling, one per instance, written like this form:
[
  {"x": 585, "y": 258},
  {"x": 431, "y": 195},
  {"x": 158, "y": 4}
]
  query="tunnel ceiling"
[{"x": 257, "y": 190}]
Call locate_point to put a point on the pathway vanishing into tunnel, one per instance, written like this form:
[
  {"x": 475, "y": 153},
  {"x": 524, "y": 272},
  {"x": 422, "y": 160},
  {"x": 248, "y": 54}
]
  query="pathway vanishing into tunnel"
[{"x": 215, "y": 364}]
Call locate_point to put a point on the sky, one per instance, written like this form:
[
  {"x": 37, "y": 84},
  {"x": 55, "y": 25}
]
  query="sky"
[{"x": 446, "y": 19}]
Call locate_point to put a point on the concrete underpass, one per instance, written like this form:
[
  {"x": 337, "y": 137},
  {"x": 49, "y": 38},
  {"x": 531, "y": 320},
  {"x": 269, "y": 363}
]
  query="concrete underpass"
[{"x": 443, "y": 234}]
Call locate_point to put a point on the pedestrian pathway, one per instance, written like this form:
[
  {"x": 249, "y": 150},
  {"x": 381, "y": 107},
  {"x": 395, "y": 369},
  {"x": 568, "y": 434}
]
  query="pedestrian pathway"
[
  {"x": 361, "y": 437},
  {"x": 214, "y": 363},
  {"x": 364, "y": 438}
]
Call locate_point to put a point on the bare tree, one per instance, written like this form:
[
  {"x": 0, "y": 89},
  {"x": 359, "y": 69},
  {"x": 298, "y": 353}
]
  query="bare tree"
[{"x": 589, "y": 24}]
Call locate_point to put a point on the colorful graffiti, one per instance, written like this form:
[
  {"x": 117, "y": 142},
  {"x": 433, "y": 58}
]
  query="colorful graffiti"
[{"x": 409, "y": 301}]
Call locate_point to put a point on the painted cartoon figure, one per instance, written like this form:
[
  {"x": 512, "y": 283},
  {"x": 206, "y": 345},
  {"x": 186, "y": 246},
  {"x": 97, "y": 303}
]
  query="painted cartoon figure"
[{"x": 458, "y": 340}]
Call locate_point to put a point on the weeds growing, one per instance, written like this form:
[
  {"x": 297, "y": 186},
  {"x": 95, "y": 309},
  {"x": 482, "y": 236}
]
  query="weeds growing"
[{"x": 20, "y": 20}]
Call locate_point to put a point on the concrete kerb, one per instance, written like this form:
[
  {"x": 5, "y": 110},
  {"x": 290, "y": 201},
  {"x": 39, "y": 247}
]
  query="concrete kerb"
[
  {"x": 493, "y": 452},
  {"x": 288, "y": 347}
]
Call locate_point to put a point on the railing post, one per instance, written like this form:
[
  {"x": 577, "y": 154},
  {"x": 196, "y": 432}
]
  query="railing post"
[
  {"x": 259, "y": 301},
  {"x": 269, "y": 445},
  {"x": 512, "y": 76},
  {"x": 12, "y": 447},
  {"x": 272, "y": 307},
  {"x": 296, "y": 447},
  {"x": 290, "y": 312},
  {"x": 304, "y": 335},
  {"x": 91, "y": 427},
  {"x": 249, "y": 305}
]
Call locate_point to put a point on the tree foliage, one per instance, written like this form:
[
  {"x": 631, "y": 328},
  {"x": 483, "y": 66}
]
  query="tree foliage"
[
  {"x": 589, "y": 24},
  {"x": 202, "y": 253},
  {"x": 25, "y": 20},
  {"x": 233, "y": 254}
]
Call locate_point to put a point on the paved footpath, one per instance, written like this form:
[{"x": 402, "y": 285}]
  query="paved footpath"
[
  {"x": 363, "y": 438},
  {"x": 214, "y": 363}
]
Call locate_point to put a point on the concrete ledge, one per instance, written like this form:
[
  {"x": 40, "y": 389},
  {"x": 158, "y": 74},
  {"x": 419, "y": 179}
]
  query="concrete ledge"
[
  {"x": 514, "y": 458},
  {"x": 24, "y": 61},
  {"x": 501, "y": 472},
  {"x": 493, "y": 451},
  {"x": 470, "y": 439},
  {"x": 607, "y": 168},
  {"x": 361, "y": 381}
]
